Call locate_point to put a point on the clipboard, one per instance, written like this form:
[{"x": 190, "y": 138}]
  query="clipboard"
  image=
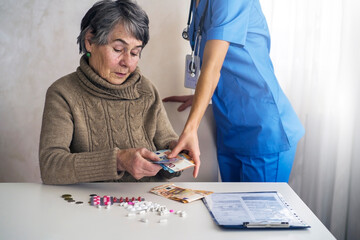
[{"x": 252, "y": 210}]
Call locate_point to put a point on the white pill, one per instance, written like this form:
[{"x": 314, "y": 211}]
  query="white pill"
[
  {"x": 144, "y": 220},
  {"x": 164, "y": 220},
  {"x": 183, "y": 214}
]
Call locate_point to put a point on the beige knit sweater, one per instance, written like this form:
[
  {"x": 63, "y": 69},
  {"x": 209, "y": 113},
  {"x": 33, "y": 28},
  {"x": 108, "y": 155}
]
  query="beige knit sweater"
[{"x": 87, "y": 119}]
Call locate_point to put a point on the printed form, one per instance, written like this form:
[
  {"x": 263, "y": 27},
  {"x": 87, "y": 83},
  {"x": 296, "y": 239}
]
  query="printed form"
[{"x": 252, "y": 210}]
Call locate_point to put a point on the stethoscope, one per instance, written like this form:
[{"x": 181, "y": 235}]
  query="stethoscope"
[
  {"x": 185, "y": 33},
  {"x": 198, "y": 33}
]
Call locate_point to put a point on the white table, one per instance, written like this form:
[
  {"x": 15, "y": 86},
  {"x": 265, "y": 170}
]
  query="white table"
[{"x": 37, "y": 211}]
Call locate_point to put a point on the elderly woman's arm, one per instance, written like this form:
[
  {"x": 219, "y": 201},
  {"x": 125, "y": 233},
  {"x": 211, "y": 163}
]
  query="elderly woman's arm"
[{"x": 57, "y": 164}]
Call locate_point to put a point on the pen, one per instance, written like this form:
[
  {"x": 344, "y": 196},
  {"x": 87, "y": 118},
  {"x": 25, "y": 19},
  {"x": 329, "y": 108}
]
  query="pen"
[{"x": 266, "y": 224}]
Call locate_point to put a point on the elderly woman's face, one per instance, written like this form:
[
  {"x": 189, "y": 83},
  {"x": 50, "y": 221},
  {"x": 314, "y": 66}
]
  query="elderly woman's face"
[{"x": 116, "y": 60}]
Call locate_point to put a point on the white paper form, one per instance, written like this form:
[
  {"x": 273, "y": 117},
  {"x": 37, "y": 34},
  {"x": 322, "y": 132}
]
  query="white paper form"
[{"x": 252, "y": 209}]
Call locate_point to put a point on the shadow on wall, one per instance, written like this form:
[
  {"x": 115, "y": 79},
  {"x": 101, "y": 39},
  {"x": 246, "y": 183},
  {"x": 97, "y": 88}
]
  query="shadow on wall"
[{"x": 206, "y": 133}]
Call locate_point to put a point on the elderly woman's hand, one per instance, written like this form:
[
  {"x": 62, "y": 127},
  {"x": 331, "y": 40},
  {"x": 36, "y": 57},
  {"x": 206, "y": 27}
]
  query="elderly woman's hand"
[{"x": 135, "y": 161}]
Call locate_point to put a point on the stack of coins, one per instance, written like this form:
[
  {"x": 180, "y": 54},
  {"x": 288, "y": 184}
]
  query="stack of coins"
[{"x": 68, "y": 197}]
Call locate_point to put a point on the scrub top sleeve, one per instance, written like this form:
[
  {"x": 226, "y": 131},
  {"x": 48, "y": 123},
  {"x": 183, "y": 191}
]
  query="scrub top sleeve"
[{"x": 229, "y": 20}]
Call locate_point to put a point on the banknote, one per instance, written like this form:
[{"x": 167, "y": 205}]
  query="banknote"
[
  {"x": 184, "y": 195},
  {"x": 181, "y": 162}
]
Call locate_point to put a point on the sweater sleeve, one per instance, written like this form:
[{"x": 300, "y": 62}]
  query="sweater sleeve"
[
  {"x": 58, "y": 165},
  {"x": 164, "y": 130}
]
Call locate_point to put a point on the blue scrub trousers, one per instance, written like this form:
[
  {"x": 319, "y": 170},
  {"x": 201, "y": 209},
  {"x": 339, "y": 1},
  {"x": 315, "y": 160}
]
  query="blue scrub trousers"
[{"x": 274, "y": 167}]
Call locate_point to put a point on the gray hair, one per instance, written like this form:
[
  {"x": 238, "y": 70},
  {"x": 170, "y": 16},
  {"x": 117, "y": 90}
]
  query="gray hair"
[{"x": 104, "y": 15}]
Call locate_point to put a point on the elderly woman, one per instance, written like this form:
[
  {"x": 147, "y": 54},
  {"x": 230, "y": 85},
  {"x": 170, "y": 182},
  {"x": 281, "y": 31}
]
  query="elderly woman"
[{"x": 103, "y": 122}]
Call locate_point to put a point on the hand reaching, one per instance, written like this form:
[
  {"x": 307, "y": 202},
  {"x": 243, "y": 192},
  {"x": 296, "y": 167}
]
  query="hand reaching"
[
  {"x": 188, "y": 141},
  {"x": 186, "y": 100}
]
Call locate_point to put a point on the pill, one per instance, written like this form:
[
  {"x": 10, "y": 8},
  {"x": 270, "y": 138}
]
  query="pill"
[{"x": 144, "y": 220}]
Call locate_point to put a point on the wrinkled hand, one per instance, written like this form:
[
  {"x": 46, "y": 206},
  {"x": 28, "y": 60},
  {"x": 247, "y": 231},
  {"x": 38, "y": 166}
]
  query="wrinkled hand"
[
  {"x": 188, "y": 141},
  {"x": 135, "y": 162},
  {"x": 186, "y": 100}
]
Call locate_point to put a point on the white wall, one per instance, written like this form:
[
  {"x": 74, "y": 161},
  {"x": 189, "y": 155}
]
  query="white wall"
[{"x": 38, "y": 46}]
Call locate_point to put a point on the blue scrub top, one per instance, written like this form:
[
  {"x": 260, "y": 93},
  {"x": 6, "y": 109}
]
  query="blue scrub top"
[{"x": 253, "y": 116}]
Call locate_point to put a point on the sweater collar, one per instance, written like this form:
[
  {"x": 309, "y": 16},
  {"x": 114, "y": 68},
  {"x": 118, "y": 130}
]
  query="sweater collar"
[{"x": 102, "y": 88}]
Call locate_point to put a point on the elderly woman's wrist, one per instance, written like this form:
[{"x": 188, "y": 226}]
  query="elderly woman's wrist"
[{"x": 118, "y": 160}]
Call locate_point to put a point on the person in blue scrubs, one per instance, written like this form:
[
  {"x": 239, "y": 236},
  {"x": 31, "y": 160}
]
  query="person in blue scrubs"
[{"x": 257, "y": 129}]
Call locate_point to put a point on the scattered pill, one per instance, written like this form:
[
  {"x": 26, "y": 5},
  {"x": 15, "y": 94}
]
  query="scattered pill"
[
  {"x": 134, "y": 206},
  {"x": 144, "y": 220},
  {"x": 183, "y": 214},
  {"x": 163, "y": 220}
]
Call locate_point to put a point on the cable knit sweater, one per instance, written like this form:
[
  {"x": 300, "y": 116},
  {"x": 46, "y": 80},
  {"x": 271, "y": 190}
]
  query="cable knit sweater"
[{"x": 87, "y": 119}]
